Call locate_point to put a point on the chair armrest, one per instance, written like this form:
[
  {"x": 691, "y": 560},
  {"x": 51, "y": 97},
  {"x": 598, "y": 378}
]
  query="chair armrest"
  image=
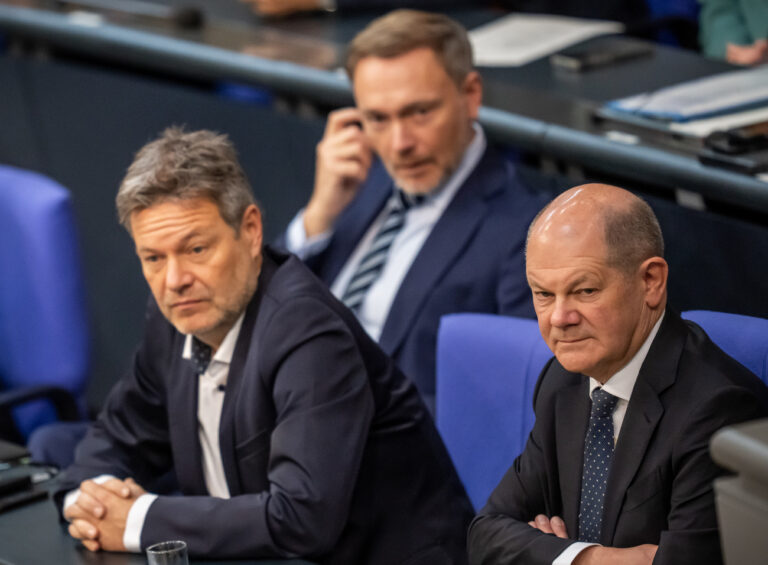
[{"x": 62, "y": 400}]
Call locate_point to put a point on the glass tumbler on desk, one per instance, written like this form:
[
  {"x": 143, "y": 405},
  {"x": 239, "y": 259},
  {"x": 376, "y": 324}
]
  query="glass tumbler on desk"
[{"x": 168, "y": 553}]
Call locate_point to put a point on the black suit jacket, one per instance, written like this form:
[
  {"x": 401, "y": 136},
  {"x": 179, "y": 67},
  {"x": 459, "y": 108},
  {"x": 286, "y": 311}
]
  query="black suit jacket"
[
  {"x": 328, "y": 451},
  {"x": 659, "y": 488},
  {"x": 472, "y": 261}
]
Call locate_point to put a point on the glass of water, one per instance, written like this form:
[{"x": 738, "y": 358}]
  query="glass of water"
[{"x": 168, "y": 553}]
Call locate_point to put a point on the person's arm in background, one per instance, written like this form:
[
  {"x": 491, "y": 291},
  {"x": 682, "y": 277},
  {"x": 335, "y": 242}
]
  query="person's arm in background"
[
  {"x": 729, "y": 30},
  {"x": 342, "y": 163}
]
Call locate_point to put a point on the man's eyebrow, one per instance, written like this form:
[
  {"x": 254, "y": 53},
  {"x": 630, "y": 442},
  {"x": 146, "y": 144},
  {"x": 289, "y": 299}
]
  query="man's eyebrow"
[
  {"x": 182, "y": 242},
  {"x": 418, "y": 105}
]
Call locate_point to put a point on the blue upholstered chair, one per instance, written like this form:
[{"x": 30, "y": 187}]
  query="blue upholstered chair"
[
  {"x": 44, "y": 339},
  {"x": 744, "y": 338},
  {"x": 487, "y": 367}
]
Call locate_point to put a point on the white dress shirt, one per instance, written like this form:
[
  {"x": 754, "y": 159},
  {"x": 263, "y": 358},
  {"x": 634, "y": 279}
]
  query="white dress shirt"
[
  {"x": 210, "y": 400},
  {"x": 419, "y": 221},
  {"x": 619, "y": 385}
]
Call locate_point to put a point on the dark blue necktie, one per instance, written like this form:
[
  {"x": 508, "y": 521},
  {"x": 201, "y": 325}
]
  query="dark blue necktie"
[
  {"x": 598, "y": 453},
  {"x": 201, "y": 355},
  {"x": 376, "y": 257}
]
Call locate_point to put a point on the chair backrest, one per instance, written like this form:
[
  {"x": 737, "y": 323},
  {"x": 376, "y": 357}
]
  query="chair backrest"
[
  {"x": 744, "y": 338},
  {"x": 44, "y": 336},
  {"x": 487, "y": 367}
]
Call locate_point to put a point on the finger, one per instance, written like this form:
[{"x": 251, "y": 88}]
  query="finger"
[
  {"x": 558, "y": 527},
  {"x": 75, "y": 512},
  {"x": 118, "y": 487},
  {"x": 136, "y": 488},
  {"x": 99, "y": 492},
  {"x": 91, "y": 545},
  {"x": 542, "y": 522},
  {"x": 345, "y": 136},
  {"x": 349, "y": 149},
  {"x": 532, "y": 524},
  {"x": 90, "y": 505},
  {"x": 340, "y": 119},
  {"x": 83, "y": 530},
  {"x": 351, "y": 170}
]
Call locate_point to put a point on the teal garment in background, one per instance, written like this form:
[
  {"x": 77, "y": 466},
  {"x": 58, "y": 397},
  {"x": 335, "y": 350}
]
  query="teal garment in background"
[{"x": 731, "y": 21}]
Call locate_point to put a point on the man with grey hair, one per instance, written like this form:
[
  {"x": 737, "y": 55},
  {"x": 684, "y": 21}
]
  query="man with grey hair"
[
  {"x": 413, "y": 214},
  {"x": 616, "y": 469},
  {"x": 291, "y": 434}
]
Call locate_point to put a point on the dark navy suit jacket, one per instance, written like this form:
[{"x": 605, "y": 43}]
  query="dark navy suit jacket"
[
  {"x": 328, "y": 451},
  {"x": 659, "y": 488},
  {"x": 472, "y": 260}
]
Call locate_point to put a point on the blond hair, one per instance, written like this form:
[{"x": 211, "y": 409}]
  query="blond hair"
[{"x": 402, "y": 31}]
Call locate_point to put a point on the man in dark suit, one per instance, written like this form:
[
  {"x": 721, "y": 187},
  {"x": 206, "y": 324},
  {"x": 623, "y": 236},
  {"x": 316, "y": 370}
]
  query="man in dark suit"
[
  {"x": 630, "y": 468},
  {"x": 436, "y": 223},
  {"x": 289, "y": 431}
]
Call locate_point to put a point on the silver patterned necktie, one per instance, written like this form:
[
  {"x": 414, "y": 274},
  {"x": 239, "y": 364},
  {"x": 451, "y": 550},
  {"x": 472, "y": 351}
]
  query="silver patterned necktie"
[{"x": 370, "y": 267}]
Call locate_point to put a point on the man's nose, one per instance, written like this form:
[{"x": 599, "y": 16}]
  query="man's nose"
[
  {"x": 177, "y": 276},
  {"x": 402, "y": 137},
  {"x": 564, "y": 314}
]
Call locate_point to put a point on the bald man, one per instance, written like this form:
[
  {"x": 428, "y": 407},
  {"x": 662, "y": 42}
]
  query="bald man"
[{"x": 616, "y": 469}]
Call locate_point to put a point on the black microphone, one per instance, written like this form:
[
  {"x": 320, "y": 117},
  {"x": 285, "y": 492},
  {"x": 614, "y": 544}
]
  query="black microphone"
[{"x": 185, "y": 17}]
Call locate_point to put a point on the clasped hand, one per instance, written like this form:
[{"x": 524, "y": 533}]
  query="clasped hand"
[
  {"x": 98, "y": 516},
  {"x": 596, "y": 554}
]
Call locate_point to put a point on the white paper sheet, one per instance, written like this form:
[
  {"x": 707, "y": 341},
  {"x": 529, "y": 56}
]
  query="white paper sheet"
[
  {"x": 723, "y": 93},
  {"x": 702, "y": 128},
  {"x": 518, "y": 39}
]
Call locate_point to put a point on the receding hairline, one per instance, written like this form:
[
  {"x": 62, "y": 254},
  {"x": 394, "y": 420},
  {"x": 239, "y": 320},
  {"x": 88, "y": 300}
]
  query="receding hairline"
[{"x": 617, "y": 222}]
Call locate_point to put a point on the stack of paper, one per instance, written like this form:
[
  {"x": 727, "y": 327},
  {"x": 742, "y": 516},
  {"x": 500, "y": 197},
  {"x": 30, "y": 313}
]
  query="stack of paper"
[
  {"x": 517, "y": 39},
  {"x": 702, "y": 98}
]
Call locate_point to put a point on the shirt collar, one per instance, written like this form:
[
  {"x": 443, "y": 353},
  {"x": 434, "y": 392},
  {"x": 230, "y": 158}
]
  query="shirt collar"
[
  {"x": 622, "y": 383},
  {"x": 227, "y": 348}
]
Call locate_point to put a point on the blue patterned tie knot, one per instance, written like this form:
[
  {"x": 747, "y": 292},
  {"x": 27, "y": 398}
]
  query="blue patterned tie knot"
[
  {"x": 201, "y": 355},
  {"x": 598, "y": 454}
]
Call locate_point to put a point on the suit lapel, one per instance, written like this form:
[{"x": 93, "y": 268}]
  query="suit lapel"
[
  {"x": 187, "y": 453},
  {"x": 572, "y": 417},
  {"x": 447, "y": 241},
  {"x": 242, "y": 358},
  {"x": 644, "y": 411}
]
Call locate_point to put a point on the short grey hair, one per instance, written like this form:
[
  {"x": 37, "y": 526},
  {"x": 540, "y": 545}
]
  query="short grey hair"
[
  {"x": 181, "y": 165},
  {"x": 632, "y": 235}
]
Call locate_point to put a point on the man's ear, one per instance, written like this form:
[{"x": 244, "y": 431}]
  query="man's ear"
[
  {"x": 654, "y": 273},
  {"x": 472, "y": 89},
  {"x": 251, "y": 228}
]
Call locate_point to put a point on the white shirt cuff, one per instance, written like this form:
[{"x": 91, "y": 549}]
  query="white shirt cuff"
[
  {"x": 570, "y": 552},
  {"x": 135, "y": 522},
  {"x": 72, "y": 495},
  {"x": 298, "y": 243}
]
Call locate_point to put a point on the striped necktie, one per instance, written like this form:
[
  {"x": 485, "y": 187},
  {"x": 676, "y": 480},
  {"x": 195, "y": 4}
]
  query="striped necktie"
[
  {"x": 373, "y": 261},
  {"x": 598, "y": 454}
]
